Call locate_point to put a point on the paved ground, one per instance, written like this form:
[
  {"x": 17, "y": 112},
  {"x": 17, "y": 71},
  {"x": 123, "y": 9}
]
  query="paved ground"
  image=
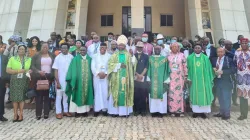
[{"x": 136, "y": 128}]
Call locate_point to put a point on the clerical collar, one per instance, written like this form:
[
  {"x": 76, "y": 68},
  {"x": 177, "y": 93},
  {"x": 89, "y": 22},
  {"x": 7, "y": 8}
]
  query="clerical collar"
[
  {"x": 122, "y": 52},
  {"x": 139, "y": 52},
  {"x": 157, "y": 55},
  {"x": 198, "y": 55},
  {"x": 84, "y": 57}
]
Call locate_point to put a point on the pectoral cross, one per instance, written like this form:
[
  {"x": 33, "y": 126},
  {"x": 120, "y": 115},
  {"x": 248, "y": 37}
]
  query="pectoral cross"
[{"x": 123, "y": 83}]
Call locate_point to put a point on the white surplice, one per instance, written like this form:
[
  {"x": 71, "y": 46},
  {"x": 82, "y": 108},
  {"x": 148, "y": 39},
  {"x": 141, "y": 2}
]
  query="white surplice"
[{"x": 100, "y": 64}]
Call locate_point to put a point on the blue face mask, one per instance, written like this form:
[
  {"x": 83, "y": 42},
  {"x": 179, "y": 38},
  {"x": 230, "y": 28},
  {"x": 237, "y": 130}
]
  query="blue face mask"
[
  {"x": 144, "y": 39},
  {"x": 248, "y": 44},
  {"x": 173, "y": 41},
  {"x": 168, "y": 42},
  {"x": 208, "y": 46},
  {"x": 160, "y": 42}
]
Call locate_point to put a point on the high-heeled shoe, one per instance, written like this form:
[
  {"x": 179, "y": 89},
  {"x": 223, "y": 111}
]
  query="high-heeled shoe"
[
  {"x": 16, "y": 120},
  {"x": 20, "y": 120}
]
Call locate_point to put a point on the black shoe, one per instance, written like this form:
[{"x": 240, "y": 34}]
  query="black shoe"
[
  {"x": 38, "y": 117},
  {"x": 195, "y": 115},
  {"x": 105, "y": 113},
  {"x": 160, "y": 115},
  {"x": 225, "y": 118},
  {"x": 96, "y": 114},
  {"x": 46, "y": 117},
  {"x": 114, "y": 116},
  {"x": 153, "y": 115},
  {"x": 8, "y": 102},
  {"x": 77, "y": 115},
  {"x": 203, "y": 116},
  {"x": 136, "y": 113},
  {"x": 242, "y": 118},
  {"x": 143, "y": 114},
  {"x": 85, "y": 114},
  {"x": 177, "y": 115},
  {"x": 218, "y": 115},
  {"x": 3, "y": 119}
]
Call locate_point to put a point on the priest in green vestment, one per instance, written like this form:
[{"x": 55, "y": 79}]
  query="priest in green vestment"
[
  {"x": 121, "y": 71},
  {"x": 158, "y": 77},
  {"x": 200, "y": 77},
  {"x": 79, "y": 84}
]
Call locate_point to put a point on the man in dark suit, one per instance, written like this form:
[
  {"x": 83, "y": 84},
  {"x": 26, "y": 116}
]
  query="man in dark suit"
[
  {"x": 54, "y": 44},
  {"x": 141, "y": 90},
  {"x": 224, "y": 69},
  {"x": 208, "y": 49},
  {"x": 3, "y": 80},
  {"x": 187, "y": 48},
  {"x": 230, "y": 53},
  {"x": 237, "y": 44}
]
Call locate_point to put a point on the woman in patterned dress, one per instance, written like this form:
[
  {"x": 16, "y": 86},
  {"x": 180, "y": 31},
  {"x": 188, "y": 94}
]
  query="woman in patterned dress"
[
  {"x": 178, "y": 75},
  {"x": 18, "y": 66},
  {"x": 242, "y": 58}
]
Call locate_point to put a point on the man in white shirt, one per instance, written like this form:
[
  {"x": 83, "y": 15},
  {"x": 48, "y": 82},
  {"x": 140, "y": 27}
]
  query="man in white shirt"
[
  {"x": 95, "y": 47},
  {"x": 99, "y": 67},
  {"x": 61, "y": 65},
  {"x": 165, "y": 49}
]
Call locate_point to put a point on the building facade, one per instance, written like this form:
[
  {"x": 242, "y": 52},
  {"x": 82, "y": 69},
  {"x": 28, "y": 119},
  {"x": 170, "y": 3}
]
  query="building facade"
[{"x": 183, "y": 18}]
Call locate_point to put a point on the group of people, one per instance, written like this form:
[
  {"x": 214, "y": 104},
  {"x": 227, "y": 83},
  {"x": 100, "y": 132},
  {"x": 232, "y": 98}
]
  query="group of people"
[{"x": 125, "y": 75}]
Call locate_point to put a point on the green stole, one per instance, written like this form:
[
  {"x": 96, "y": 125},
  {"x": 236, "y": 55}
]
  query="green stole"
[
  {"x": 201, "y": 74},
  {"x": 80, "y": 88},
  {"x": 158, "y": 72},
  {"x": 122, "y": 79}
]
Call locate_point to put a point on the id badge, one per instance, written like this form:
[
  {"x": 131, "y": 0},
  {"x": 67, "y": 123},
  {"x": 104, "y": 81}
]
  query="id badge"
[
  {"x": 175, "y": 67},
  {"x": 20, "y": 75}
]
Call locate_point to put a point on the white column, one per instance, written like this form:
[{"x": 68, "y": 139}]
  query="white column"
[
  {"x": 14, "y": 17},
  {"x": 194, "y": 9},
  {"x": 229, "y": 19},
  {"x": 47, "y": 16},
  {"x": 137, "y": 16},
  {"x": 247, "y": 8},
  {"x": 81, "y": 18}
]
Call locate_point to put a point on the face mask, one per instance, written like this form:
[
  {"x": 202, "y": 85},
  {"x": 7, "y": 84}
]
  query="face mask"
[
  {"x": 113, "y": 49},
  {"x": 168, "y": 42},
  {"x": 248, "y": 44},
  {"x": 110, "y": 39},
  {"x": 196, "y": 39},
  {"x": 144, "y": 39},
  {"x": 159, "y": 42},
  {"x": 173, "y": 41}
]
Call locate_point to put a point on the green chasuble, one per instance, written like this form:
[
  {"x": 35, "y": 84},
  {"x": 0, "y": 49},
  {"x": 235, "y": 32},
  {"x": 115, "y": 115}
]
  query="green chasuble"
[
  {"x": 201, "y": 74},
  {"x": 158, "y": 72},
  {"x": 121, "y": 83},
  {"x": 79, "y": 81}
]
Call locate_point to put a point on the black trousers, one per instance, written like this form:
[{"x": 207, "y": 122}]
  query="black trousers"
[
  {"x": 42, "y": 102},
  {"x": 2, "y": 95},
  {"x": 243, "y": 107},
  {"x": 140, "y": 96},
  {"x": 234, "y": 95}
]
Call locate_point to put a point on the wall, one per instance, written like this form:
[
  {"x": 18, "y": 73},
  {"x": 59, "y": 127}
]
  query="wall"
[
  {"x": 100, "y": 7},
  {"x": 14, "y": 17},
  {"x": 174, "y": 7},
  {"x": 47, "y": 16}
]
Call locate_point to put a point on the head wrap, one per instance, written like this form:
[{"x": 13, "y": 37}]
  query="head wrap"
[
  {"x": 244, "y": 40},
  {"x": 175, "y": 44},
  {"x": 122, "y": 39},
  {"x": 15, "y": 38},
  {"x": 61, "y": 42}
]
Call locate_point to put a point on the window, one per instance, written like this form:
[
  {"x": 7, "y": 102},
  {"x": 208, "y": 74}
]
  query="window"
[
  {"x": 107, "y": 20},
  {"x": 166, "y": 20}
]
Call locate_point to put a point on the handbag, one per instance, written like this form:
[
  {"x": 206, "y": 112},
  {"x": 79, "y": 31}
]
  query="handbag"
[
  {"x": 31, "y": 93},
  {"x": 42, "y": 84}
]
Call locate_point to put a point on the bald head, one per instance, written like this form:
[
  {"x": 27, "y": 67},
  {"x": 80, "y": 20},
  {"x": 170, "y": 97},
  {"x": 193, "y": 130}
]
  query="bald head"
[
  {"x": 220, "y": 52},
  {"x": 228, "y": 45}
]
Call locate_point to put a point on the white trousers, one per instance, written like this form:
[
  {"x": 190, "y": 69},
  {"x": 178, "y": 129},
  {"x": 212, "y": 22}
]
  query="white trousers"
[
  {"x": 61, "y": 97},
  {"x": 120, "y": 110}
]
